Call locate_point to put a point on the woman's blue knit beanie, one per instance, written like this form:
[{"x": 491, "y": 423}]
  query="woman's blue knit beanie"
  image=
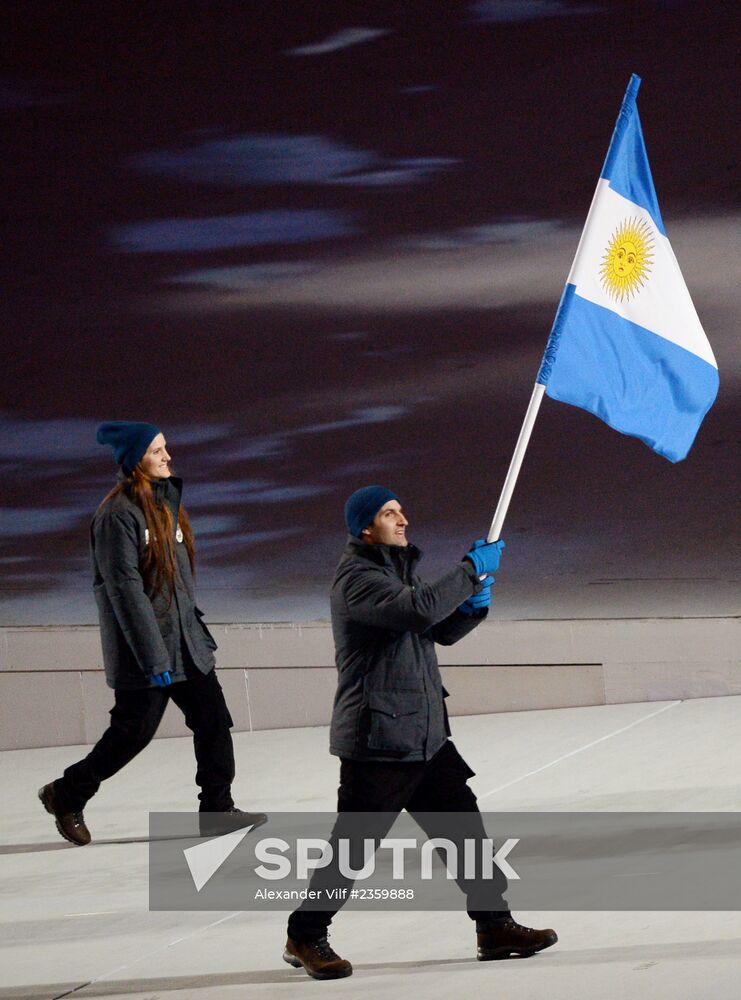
[{"x": 128, "y": 439}]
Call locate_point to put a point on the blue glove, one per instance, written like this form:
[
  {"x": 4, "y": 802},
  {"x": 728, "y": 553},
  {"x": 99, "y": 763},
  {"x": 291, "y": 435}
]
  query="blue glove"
[
  {"x": 485, "y": 555},
  {"x": 478, "y": 602},
  {"x": 162, "y": 680}
]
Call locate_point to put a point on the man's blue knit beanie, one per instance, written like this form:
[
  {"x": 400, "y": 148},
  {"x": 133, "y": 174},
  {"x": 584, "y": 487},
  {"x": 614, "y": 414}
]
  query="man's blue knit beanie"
[
  {"x": 363, "y": 506},
  {"x": 128, "y": 439}
]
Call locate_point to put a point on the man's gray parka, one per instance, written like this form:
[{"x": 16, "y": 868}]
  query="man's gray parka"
[
  {"x": 143, "y": 633},
  {"x": 385, "y": 620}
]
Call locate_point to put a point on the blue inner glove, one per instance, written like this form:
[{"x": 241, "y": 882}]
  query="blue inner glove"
[
  {"x": 485, "y": 556},
  {"x": 478, "y": 602},
  {"x": 163, "y": 679}
]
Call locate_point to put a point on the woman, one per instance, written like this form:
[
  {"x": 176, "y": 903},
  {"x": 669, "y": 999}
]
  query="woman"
[{"x": 156, "y": 647}]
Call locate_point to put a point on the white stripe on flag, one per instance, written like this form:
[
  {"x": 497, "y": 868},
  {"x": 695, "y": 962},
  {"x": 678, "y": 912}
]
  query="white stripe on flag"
[{"x": 662, "y": 304}]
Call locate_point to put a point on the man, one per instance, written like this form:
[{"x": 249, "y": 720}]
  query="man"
[
  {"x": 156, "y": 647},
  {"x": 389, "y": 723}
]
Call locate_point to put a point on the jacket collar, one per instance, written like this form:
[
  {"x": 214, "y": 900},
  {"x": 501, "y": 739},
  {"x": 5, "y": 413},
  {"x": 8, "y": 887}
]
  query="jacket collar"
[
  {"x": 170, "y": 490},
  {"x": 164, "y": 489},
  {"x": 394, "y": 556}
]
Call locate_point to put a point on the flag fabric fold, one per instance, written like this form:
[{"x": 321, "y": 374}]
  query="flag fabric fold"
[{"x": 626, "y": 343}]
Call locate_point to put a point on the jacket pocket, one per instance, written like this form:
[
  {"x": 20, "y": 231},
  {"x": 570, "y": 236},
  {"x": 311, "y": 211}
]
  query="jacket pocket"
[
  {"x": 397, "y": 724},
  {"x": 210, "y": 641},
  {"x": 446, "y": 720}
]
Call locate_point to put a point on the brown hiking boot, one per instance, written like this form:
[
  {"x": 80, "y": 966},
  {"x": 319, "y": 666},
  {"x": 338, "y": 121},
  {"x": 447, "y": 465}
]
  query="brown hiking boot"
[
  {"x": 71, "y": 825},
  {"x": 511, "y": 938},
  {"x": 317, "y": 958}
]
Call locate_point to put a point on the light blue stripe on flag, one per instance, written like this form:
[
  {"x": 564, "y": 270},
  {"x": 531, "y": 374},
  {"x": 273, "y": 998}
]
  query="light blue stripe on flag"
[
  {"x": 626, "y": 164},
  {"x": 637, "y": 382}
]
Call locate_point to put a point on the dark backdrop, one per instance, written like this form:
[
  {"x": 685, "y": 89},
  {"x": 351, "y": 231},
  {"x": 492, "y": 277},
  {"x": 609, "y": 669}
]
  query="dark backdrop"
[{"x": 321, "y": 245}]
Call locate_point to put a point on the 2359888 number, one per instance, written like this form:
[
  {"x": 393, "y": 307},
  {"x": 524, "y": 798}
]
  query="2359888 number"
[{"x": 383, "y": 894}]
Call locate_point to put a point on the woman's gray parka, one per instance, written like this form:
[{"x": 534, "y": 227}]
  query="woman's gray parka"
[
  {"x": 143, "y": 634},
  {"x": 389, "y": 703}
]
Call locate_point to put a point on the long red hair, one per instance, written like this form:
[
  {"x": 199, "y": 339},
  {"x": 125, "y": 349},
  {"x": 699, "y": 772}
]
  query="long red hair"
[{"x": 157, "y": 564}]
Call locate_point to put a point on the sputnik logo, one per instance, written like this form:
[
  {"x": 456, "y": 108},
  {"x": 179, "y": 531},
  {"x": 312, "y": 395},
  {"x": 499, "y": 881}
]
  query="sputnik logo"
[{"x": 204, "y": 860}]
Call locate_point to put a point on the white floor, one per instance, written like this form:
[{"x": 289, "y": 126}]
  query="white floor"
[{"x": 74, "y": 921}]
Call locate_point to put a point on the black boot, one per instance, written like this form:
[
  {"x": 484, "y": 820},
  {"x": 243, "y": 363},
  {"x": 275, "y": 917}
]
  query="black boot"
[
  {"x": 213, "y": 824},
  {"x": 510, "y": 938}
]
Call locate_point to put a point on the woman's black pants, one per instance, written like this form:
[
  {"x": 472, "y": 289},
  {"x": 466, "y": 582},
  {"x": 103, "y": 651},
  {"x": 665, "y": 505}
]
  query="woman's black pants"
[{"x": 135, "y": 717}]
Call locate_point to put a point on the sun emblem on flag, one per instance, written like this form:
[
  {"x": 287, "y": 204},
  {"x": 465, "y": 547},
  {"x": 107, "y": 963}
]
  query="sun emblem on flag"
[{"x": 627, "y": 262}]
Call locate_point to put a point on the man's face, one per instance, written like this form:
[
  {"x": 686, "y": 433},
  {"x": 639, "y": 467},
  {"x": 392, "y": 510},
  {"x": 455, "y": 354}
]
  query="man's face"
[
  {"x": 388, "y": 527},
  {"x": 156, "y": 461}
]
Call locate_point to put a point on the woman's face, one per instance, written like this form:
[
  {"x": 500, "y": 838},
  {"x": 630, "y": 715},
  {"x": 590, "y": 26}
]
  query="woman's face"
[{"x": 156, "y": 461}]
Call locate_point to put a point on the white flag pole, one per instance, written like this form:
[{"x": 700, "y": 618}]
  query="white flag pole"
[
  {"x": 514, "y": 466},
  {"x": 532, "y": 411},
  {"x": 539, "y": 389},
  {"x": 535, "y": 400}
]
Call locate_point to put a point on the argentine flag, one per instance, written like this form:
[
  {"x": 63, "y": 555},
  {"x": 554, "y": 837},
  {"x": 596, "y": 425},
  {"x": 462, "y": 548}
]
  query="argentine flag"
[{"x": 627, "y": 344}]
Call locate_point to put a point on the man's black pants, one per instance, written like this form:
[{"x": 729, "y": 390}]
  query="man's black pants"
[
  {"x": 434, "y": 786},
  {"x": 135, "y": 717}
]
